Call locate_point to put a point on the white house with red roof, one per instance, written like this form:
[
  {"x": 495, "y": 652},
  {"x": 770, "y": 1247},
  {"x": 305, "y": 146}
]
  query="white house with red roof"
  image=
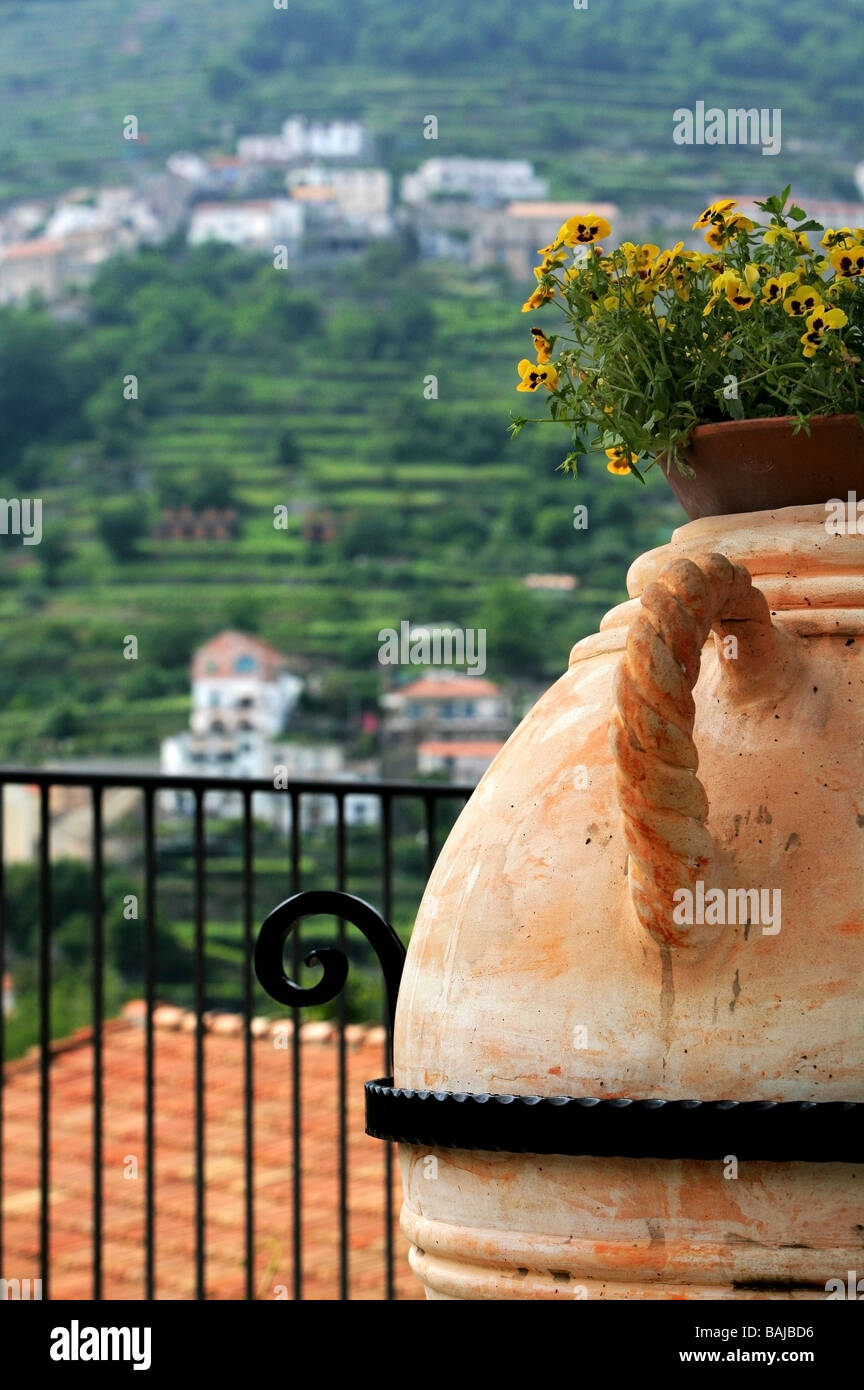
[
  {"x": 241, "y": 685},
  {"x": 448, "y": 702},
  {"x": 472, "y": 713},
  {"x": 243, "y": 696}
]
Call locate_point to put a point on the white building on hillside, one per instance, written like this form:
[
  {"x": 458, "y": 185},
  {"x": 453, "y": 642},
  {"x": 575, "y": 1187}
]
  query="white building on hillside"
[
  {"x": 243, "y": 696},
  {"x": 302, "y": 139},
  {"x": 257, "y": 224},
  {"x": 481, "y": 180},
  {"x": 362, "y": 196},
  {"x": 448, "y": 705},
  {"x": 241, "y": 685}
]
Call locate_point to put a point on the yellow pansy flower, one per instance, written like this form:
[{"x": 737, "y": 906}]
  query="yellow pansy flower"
[
  {"x": 842, "y": 236},
  {"x": 798, "y": 239},
  {"x": 776, "y": 286},
  {"x": 542, "y": 345},
  {"x": 721, "y": 285},
  {"x": 534, "y": 374},
  {"x": 619, "y": 459},
  {"x": 714, "y": 214},
  {"x": 681, "y": 284},
  {"x": 848, "y": 261},
  {"x": 640, "y": 259},
  {"x": 666, "y": 260},
  {"x": 738, "y": 293},
  {"x": 717, "y": 236},
  {"x": 819, "y": 321},
  {"x": 802, "y": 301},
  {"x": 548, "y": 264},
  {"x": 542, "y": 295},
  {"x": 581, "y": 231}
]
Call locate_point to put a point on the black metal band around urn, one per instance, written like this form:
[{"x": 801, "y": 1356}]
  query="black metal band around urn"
[{"x": 786, "y": 1131}]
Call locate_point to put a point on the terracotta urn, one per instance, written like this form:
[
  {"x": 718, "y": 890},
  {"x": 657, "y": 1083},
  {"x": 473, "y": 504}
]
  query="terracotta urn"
[{"x": 628, "y": 1047}]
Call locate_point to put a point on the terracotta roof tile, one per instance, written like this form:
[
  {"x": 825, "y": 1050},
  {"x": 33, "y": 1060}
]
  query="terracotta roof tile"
[
  {"x": 124, "y": 1197},
  {"x": 440, "y": 749},
  {"x": 447, "y": 688}
]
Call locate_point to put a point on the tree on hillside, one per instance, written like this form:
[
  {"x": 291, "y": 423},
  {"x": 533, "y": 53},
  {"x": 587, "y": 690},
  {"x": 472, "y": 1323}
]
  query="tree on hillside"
[
  {"x": 288, "y": 451},
  {"x": 213, "y": 487},
  {"x": 121, "y": 524},
  {"x": 35, "y": 399}
]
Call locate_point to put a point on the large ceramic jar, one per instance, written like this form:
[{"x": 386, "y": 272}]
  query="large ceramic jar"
[{"x": 591, "y": 932}]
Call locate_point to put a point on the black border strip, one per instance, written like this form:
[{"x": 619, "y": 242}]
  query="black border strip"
[{"x": 785, "y": 1131}]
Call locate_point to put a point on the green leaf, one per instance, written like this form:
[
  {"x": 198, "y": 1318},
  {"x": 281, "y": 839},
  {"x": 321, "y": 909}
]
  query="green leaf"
[{"x": 636, "y": 473}]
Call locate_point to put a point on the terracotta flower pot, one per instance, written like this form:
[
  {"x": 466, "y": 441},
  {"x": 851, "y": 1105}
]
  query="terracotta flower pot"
[
  {"x": 555, "y": 995},
  {"x": 755, "y": 465}
]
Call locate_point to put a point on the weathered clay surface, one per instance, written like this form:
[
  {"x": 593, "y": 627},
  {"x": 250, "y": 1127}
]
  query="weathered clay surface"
[
  {"x": 498, "y": 1226},
  {"x": 530, "y": 970}
]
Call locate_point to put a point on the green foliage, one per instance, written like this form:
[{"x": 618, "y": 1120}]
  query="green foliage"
[
  {"x": 122, "y": 523},
  {"x": 763, "y": 324},
  {"x": 36, "y": 398}
]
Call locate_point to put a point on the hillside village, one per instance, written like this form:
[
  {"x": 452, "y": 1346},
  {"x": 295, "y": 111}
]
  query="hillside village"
[
  {"x": 243, "y": 724},
  {"x": 305, "y": 194},
  {"x": 309, "y": 193}
]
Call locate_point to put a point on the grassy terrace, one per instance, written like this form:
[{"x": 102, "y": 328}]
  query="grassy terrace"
[{"x": 589, "y": 95}]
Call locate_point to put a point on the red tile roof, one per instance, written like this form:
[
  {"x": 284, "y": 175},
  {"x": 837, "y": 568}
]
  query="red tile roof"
[
  {"x": 32, "y": 250},
  {"x": 447, "y": 688},
  {"x": 560, "y": 209},
  {"x": 124, "y": 1197},
  {"x": 440, "y": 749},
  {"x": 225, "y": 647}
]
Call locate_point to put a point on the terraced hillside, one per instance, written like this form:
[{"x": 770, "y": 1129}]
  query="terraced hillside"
[
  {"x": 437, "y": 514},
  {"x": 589, "y": 94}
]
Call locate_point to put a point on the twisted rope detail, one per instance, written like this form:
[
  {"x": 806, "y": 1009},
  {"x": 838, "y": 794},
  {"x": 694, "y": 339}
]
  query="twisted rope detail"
[{"x": 663, "y": 804}]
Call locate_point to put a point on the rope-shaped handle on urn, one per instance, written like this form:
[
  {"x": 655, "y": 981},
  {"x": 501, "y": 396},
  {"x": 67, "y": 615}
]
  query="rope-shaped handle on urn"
[{"x": 664, "y": 806}]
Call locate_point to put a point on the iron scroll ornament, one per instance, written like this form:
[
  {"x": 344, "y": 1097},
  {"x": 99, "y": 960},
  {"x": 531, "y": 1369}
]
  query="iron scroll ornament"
[{"x": 324, "y": 902}]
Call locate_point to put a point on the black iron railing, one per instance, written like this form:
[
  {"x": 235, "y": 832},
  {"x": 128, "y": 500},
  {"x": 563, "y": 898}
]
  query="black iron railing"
[{"x": 412, "y": 819}]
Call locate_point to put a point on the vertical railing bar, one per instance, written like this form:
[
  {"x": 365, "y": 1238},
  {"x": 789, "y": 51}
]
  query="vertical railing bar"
[
  {"x": 296, "y": 1118},
  {"x": 44, "y": 1037},
  {"x": 344, "y": 1273},
  {"x": 248, "y": 1072},
  {"x": 149, "y": 1044},
  {"x": 200, "y": 1215},
  {"x": 98, "y": 1019},
  {"x": 2, "y": 1006},
  {"x": 387, "y": 909}
]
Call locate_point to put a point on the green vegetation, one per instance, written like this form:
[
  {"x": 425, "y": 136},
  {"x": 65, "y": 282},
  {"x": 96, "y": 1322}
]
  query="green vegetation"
[{"x": 437, "y": 513}]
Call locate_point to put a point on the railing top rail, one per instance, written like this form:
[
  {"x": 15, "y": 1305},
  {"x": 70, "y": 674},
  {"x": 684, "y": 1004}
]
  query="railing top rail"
[{"x": 155, "y": 781}]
